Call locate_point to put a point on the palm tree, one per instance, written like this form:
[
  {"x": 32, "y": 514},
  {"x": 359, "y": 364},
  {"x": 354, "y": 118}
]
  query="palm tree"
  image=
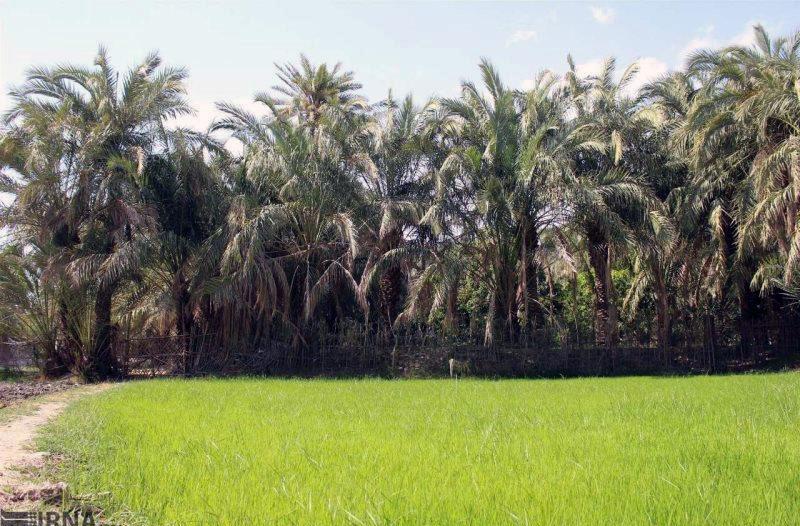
[
  {"x": 296, "y": 213},
  {"x": 394, "y": 162},
  {"x": 480, "y": 174},
  {"x": 743, "y": 126},
  {"x": 607, "y": 199},
  {"x": 108, "y": 128},
  {"x": 753, "y": 92},
  {"x": 187, "y": 200},
  {"x": 669, "y": 254},
  {"x": 36, "y": 163},
  {"x": 494, "y": 200},
  {"x": 30, "y": 308},
  {"x": 544, "y": 163},
  {"x": 494, "y": 188},
  {"x": 310, "y": 90}
]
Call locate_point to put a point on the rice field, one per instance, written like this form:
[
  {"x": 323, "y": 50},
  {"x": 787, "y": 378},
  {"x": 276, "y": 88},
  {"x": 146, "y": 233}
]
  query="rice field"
[{"x": 625, "y": 451}]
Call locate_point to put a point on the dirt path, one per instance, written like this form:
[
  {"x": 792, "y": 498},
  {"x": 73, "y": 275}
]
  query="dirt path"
[{"x": 17, "y": 434}]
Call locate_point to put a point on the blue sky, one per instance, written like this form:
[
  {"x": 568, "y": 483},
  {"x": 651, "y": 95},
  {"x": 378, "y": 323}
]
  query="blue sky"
[{"x": 419, "y": 47}]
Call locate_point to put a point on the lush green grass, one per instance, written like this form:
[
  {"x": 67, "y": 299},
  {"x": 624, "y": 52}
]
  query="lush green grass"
[{"x": 683, "y": 451}]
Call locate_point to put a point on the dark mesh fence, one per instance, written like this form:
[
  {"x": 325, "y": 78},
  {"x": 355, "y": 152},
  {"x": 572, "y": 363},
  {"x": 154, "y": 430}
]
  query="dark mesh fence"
[
  {"x": 772, "y": 345},
  {"x": 18, "y": 355}
]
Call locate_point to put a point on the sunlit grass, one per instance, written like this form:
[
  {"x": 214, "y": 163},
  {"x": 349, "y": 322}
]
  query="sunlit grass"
[{"x": 683, "y": 451}]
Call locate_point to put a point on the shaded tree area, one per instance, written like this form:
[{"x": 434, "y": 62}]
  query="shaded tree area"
[{"x": 576, "y": 213}]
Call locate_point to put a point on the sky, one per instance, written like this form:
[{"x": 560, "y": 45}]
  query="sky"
[{"x": 423, "y": 48}]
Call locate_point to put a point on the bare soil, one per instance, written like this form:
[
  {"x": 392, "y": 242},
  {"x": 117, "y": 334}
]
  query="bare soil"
[
  {"x": 17, "y": 461},
  {"x": 11, "y": 392}
]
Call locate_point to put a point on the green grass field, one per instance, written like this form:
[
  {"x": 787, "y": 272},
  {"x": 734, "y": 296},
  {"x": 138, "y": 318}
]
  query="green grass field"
[{"x": 682, "y": 451}]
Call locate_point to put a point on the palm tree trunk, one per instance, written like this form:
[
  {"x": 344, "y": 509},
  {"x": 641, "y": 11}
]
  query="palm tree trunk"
[
  {"x": 451, "y": 308},
  {"x": 752, "y": 316},
  {"x": 488, "y": 333},
  {"x": 604, "y": 307},
  {"x": 613, "y": 312},
  {"x": 505, "y": 301},
  {"x": 551, "y": 293},
  {"x": 526, "y": 320},
  {"x": 662, "y": 315},
  {"x": 183, "y": 323},
  {"x": 391, "y": 282},
  {"x": 66, "y": 350},
  {"x": 511, "y": 315},
  {"x": 575, "y": 308},
  {"x": 390, "y": 285},
  {"x": 100, "y": 362}
]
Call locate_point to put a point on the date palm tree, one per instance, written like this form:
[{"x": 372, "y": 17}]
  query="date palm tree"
[
  {"x": 608, "y": 198},
  {"x": 665, "y": 257},
  {"x": 752, "y": 91},
  {"x": 187, "y": 200},
  {"x": 108, "y": 125},
  {"x": 394, "y": 163},
  {"x": 495, "y": 187},
  {"x": 30, "y": 307},
  {"x": 296, "y": 210},
  {"x": 307, "y": 91},
  {"x": 36, "y": 164},
  {"x": 743, "y": 126}
]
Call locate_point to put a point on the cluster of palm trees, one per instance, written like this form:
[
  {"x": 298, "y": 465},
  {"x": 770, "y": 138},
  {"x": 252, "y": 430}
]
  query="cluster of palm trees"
[{"x": 578, "y": 208}]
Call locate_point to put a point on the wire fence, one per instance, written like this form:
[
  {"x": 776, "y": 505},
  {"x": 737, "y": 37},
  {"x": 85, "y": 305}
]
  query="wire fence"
[{"x": 771, "y": 345}]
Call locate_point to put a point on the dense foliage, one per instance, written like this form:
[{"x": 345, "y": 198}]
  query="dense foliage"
[{"x": 576, "y": 211}]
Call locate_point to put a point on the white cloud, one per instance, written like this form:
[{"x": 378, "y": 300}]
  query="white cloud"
[
  {"x": 521, "y": 35},
  {"x": 695, "y": 44},
  {"x": 3, "y": 79},
  {"x": 583, "y": 70},
  {"x": 604, "y": 16},
  {"x": 710, "y": 41},
  {"x": 206, "y": 112},
  {"x": 650, "y": 68},
  {"x": 747, "y": 37},
  {"x": 593, "y": 67}
]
